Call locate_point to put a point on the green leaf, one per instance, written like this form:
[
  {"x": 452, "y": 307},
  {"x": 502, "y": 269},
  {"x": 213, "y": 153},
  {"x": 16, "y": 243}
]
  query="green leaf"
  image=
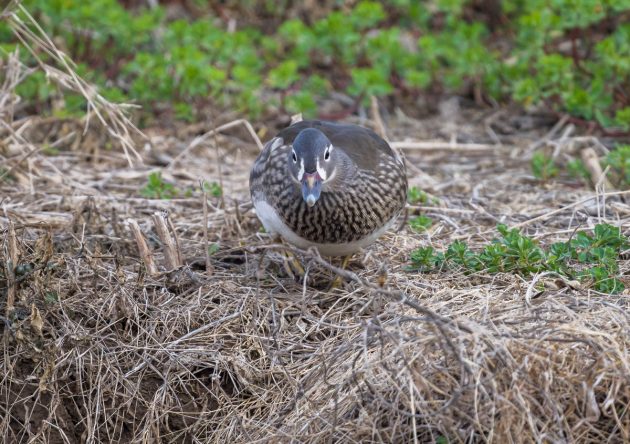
[
  {"x": 420, "y": 223},
  {"x": 283, "y": 75},
  {"x": 157, "y": 188},
  {"x": 622, "y": 118},
  {"x": 51, "y": 297},
  {"x": 301, "y": 102},
  {"x": 619, "y": 162},
  {"x": 369, "y": 81},
  {"x": 213, "y": 188},
  {"x": 367, "y": 14},
  {"x": 577, "y": 169},
  {"x": 543, "y": 166},
  {"x": 425, "y": 258},
  {"x": 415, "y": 195}
]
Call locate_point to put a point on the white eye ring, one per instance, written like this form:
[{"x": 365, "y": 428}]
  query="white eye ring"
[
  {"x": 294, "y": 156},
  {"x": 327, "y": 153}
]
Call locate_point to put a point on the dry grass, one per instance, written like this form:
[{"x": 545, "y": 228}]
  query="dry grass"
[{"x": 100, "y": 347}]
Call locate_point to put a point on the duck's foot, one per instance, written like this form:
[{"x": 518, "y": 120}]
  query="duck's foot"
[
  {"x": 338, "y": 280},
  {"x": 292, "y": 266}
]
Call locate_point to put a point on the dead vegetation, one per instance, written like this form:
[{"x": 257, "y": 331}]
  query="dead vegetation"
[{"x": 127, "y": 321}]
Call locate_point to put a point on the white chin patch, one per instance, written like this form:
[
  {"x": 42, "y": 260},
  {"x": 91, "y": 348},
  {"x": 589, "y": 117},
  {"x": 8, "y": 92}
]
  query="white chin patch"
[{"x": 301, "y": 172}]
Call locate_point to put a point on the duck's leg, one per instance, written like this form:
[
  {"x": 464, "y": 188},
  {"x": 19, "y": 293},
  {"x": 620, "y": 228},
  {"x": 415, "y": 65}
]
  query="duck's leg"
[
  {"x": 336, "y": 283},
  {"x": 292, "y": 265}
]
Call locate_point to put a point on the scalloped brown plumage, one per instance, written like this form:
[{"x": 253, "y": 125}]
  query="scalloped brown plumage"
[{"x": 365, "y": 192}]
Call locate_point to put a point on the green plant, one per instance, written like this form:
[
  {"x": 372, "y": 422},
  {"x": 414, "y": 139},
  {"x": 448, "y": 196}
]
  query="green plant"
[
  {"x": 415, "y": 196},
  {"x": 459, "y": 254},
  {"x": 425, "y": 258},
  {"x": 619, "y": 162},
  {"x": 543, "y": 166},
  {"x": 5, "y": 175},
  {"x": 214, "y": 189},
  {"x": 565, "y": 55},
  {"x": 588, "y": 257},
  {"x": 50, "y": 150},
  {"x": 420, "y": 223},
  {"x": 51, "y": 297},
  {"x": 213, "y": 249},
  {"x": 157, "y": 188},
  {"x": 577, "y": 169}
]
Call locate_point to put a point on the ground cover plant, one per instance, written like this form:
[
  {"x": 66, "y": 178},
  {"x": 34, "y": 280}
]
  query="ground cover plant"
[
  {"x": 617, "y": 161},
  {"x": 570, "y": 57},
  {"x": 140, "y": 301},
  {"x": 595, "y": 256}
]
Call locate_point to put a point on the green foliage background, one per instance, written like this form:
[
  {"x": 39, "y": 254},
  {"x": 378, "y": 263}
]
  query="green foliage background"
[{"x": 566, "y": 55}]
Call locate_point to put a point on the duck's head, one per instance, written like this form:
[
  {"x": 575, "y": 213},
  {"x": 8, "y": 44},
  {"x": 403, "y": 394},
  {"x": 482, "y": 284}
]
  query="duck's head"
[{"x": 312, "y": 162}]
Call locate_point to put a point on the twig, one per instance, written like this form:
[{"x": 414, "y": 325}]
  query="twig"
[
  {"x": 376, "y": 117},
  {"x": 172, "y": 256},
  {"x": 441, "y": 322},
  {"x": 177, "y": 245},
  {"x": 205, "y": 229},
  {"x": 591, "y": 162},
  {"x": 532, "y": 285},
  {"x": 446, "y": 146},
  {"x": 143, "y": 248},
  {"x": 19, "y": 139},
  {"x": 557, "y": 127},
  {"x": 398, "y": 296},
  {"x": 442, "y": 210},
  {"x": 295, "y": 118},
  {"x": 111, "y": 116},
  {"x": 185, "y": 337},
  {"x": 566, "y": 207},
  {"x": 201, "y": 139},
  {"x": 14, "y": 257}
]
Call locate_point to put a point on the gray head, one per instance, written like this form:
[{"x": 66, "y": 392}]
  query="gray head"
[{"x": 312, "y": 162}]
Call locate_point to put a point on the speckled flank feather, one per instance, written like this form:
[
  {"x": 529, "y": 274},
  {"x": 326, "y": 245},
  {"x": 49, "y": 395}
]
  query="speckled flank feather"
[{"x": 370, "y": 199}]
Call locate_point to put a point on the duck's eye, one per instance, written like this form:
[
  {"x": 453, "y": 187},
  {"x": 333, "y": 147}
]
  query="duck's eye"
[
  {"x": 294, "y": 156},
  {"x": 327, "y": 154}
]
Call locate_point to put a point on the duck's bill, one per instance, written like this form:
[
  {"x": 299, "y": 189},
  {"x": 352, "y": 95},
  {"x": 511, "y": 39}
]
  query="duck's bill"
[{"x": 311, "y": 188}]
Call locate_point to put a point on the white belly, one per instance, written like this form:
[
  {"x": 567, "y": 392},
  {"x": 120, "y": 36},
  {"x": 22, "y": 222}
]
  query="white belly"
[{"x": 274, "y": 224}]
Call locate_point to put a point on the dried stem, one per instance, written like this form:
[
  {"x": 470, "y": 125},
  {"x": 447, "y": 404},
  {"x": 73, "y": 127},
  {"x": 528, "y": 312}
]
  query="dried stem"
[
  {"x": 172, "y": 255},
  {"x": 143, "y": 248}
]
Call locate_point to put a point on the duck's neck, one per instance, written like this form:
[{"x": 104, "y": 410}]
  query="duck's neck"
[{"x": 342, "y": 176}]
